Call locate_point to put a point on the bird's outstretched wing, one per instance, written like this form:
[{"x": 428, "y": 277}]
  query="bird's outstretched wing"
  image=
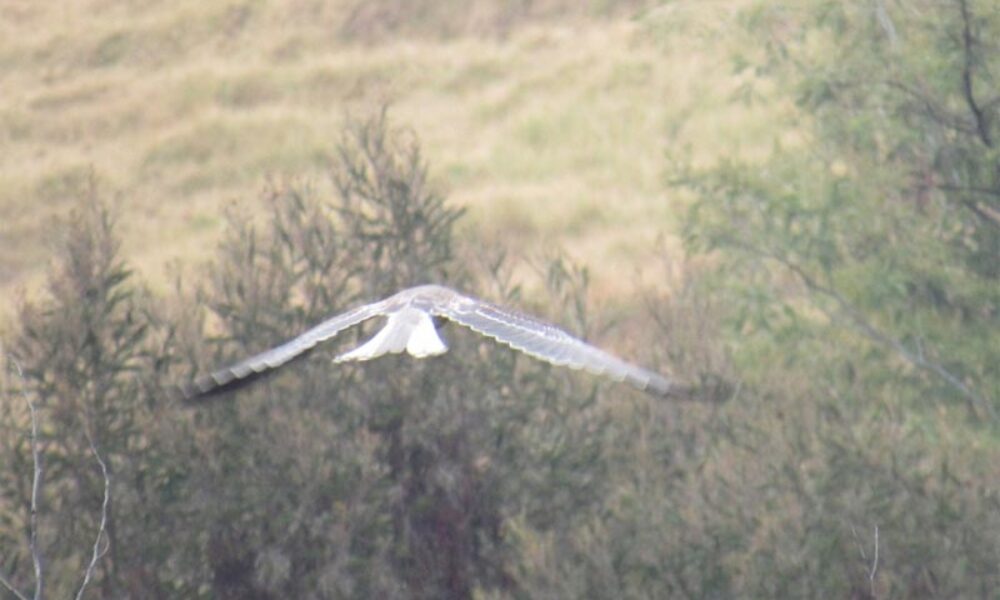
[
  {"x": 248, "y": 369},
  {"x": 548, "y": 343},
  {"x": 410, "y": 328}
]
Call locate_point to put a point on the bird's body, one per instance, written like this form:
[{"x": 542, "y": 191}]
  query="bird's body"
[{"x": 410, "y": 327}]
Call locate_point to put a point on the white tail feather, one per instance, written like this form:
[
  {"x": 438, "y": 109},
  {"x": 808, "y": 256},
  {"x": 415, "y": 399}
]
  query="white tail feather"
[
  {"x": 424, "y": 339},
  {"x": 408, "y": 329}
]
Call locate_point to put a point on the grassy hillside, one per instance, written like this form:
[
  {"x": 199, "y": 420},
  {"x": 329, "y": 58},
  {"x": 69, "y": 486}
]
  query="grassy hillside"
[{"x": 551, "y": 126}]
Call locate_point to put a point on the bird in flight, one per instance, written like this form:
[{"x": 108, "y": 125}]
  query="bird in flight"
[{"x": 410, "y": 326}]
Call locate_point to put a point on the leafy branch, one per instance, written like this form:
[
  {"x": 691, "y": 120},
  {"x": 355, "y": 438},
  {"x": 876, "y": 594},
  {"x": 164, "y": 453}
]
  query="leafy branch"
[{"x": 861, "y": 323}]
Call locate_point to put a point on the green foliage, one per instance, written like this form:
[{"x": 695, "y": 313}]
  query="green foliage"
[
  {"x": 395, "y": 479},
  {"x": 858, "y": 263},
  {"x": 889, "y": 225},
  {"x": 89, "y": 355}
]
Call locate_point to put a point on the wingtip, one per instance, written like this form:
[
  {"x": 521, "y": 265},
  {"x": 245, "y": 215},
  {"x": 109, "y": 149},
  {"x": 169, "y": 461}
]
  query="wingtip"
[
  {"x": 710, "y": 390},
  {"x": 680, "y": 391},
  {"x": 191, "y": 392},
  {"x": 214, "y": 384}
]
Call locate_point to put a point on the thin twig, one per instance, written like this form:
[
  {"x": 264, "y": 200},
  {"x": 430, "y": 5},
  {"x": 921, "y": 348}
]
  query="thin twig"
[
  {"x": 36, "y": 554},
  {"x": 940, "y": 115},
  {"x": 13, "y": 590},
  {"x": 98, "y": 551},
  {"x": 986, "y": 214},
  {"x": 874, "y": 569},
  {"x": 876, "y": 335},
  {"x": 861, "y": 547},
  {"x": 864, "y": 556},
  {"x": 968, "y": 189},
  {"x": 885, "y": 21},
  {"x": 867, "y": 328},
  {"x": 36, "y": 484},
  {"x": 7, "y": 584},
  {"x": 982, "y": 126}
]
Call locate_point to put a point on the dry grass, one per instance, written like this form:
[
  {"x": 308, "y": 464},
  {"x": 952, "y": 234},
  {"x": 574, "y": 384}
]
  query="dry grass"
[{"x": 553, "y": 134}]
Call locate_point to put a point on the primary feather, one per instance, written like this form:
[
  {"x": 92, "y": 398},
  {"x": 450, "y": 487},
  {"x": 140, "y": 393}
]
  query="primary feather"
[{"x": 410, "y": 327}]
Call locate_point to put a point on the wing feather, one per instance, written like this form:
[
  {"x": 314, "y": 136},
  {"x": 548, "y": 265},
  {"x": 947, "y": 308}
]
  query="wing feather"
[
  {"x": 546, "y": 342},
  {"x": 535, "y": 338},
  {"x": 248, "y": 369}
]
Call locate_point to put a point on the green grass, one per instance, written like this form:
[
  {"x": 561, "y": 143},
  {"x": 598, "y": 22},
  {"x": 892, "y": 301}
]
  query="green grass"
[{"x": 555, "y": 134}]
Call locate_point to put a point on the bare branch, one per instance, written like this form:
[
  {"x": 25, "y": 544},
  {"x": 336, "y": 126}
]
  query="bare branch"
[
  {"x": 861, "y": 547},
  {"x": 969, "y": 189},
  {"x": 982, "y": 127},
  {"x": 885, "y": 21},
  {"x": 875, "y": 334},
  {"x": 36, "y": 484},
  {"x": 938, "y": 114},
  {"x": 874, "y": 569},
  {"x": 98, "y": 551},
  {"x": 13, "y": 590},
  {"x": 985, "y": 213}
]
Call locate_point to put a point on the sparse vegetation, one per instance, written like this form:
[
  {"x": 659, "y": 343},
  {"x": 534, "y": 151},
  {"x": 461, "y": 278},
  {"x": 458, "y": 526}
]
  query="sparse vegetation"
[{"x": 209, "y": 100}]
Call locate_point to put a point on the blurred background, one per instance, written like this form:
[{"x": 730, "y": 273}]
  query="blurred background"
[{"x": 794, "y": 206}]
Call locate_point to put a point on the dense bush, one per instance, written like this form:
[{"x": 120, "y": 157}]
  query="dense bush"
[
  {"x": 397, "y": 478},
  {"x": 87, "y": 359}
]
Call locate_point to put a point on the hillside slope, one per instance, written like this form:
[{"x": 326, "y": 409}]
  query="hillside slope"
[{"x": 553, "y": 131}]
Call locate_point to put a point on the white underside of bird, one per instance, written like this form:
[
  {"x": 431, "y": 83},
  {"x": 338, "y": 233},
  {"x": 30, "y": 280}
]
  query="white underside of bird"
[{"x": 407, "y": 329}]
